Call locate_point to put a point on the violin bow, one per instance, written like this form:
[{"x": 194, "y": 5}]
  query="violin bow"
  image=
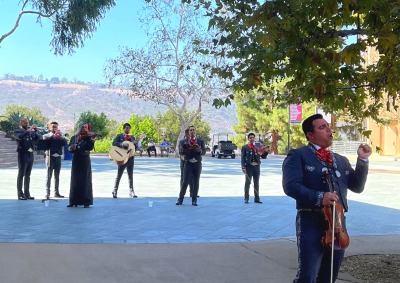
[{"x": 328, "y": 181}]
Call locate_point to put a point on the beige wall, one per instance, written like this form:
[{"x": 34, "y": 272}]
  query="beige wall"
[{"x": 385, "y": 137}]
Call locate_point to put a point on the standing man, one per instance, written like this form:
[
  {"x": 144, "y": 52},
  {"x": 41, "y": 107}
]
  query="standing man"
[
  {"x": 250, "y": 160},
  {"x": 118, "y": 141},
  {"x": 182, "y": 164},
  {"x": 303, "y": 179},
  {"x": 56, "y": 143},
  {"x": 26, "y": 137},
  {"x": 192, "y": 148}
]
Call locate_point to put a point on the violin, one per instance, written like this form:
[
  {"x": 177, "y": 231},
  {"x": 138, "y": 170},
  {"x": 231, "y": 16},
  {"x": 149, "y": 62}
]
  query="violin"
[
  {"x": 335, "y": 232},
  {"x": 187, "y": 148},
  {"x": 91, "y": 135}
]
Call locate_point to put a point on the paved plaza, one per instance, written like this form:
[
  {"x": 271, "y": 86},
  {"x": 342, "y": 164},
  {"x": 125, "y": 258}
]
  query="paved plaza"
[{"x": 221, "y": 240}]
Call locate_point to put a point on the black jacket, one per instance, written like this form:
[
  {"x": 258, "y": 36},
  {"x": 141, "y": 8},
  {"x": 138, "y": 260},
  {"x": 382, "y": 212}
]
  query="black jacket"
[
  {"x": 248, "y": 155},
  {"x": 192, "y": 154},
  {"x": 25, "y": 139}
]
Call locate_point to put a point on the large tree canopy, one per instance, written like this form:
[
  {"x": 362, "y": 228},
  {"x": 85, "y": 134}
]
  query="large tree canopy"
[
  {"x": 321, "y": 46},
  {"x": 73, "y": 20},
  {"x": 169, "y": 70}
]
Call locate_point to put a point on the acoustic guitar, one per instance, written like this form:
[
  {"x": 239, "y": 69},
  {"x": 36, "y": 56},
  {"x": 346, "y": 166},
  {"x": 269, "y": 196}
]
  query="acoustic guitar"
[{"x": 120, "y": 155}]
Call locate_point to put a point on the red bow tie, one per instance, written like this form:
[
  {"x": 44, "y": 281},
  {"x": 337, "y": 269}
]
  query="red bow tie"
[
  {"x": 324, "y": 155},
  {"x": 252, "y": 146},
  {"x": 127, "y": 137}
]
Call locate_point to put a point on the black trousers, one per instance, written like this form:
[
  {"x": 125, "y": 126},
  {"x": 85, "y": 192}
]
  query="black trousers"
[
  {"x": 25, "y": 163},
  {"x": 252, "y": 172},
  {"x": 55, "y": 165},
  {"x": 129, "y": 169},
  {"x": 190, "y": 171},
  {"x": 150, "y": 149},
  {"x": 314, "y": 259},
  {"x": 191, "y": 182}
]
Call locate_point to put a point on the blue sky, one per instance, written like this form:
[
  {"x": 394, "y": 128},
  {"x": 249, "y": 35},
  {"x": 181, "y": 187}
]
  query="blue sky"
[{"x": 28, "y": 52}]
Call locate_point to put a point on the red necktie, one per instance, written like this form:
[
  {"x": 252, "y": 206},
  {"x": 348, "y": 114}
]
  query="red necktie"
[
  {"x": 192, "y": 141},
  {"x": 127, "y": 137},
  {"x": 324, "y": 155}
]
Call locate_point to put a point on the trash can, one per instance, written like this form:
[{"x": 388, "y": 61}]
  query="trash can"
[{"x": 67, "y": 154}]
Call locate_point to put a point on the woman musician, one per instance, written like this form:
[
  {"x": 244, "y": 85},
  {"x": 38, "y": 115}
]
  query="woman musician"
[{"x": 81, "y": 192}]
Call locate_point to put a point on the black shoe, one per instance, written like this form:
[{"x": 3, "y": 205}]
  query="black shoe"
[
  {"x": 178, "y": 203},
  {"x": 194, "y": 203},
  {"x": 30, "y": 197},
  {"x": 246, "y": 201},
  {"x": 132, "y": 194},
  {"x": 86, "y": 206},
  {"x": 114, "y": 194},
  {"x": 57, "y": 195},
  {"x": 71, "y": 205},
  {"x": 47, "y": 197},
  {"x": 22, "y": 198},
  {"x": 257, "y": 201}
]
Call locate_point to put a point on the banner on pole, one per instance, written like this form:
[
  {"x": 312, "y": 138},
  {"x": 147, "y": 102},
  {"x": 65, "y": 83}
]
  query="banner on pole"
[{"x": 296, "y": 113}]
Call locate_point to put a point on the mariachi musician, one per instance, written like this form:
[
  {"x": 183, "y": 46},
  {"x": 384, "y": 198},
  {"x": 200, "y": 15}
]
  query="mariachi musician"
[
  {"x": 304, "y": 180},
  {"x": 26, "y": 137},
  {"x": 250, "y": 161},
  {"x": 56, "y": 142},
  {"x": 119, "y": 141},
  {"x": 192, "y": 149}
]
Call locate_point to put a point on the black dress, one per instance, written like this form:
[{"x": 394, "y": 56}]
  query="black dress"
[{"x": 81, "y": 192}]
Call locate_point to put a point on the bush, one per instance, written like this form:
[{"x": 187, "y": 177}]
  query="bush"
[{"x": 103, "y": 145}]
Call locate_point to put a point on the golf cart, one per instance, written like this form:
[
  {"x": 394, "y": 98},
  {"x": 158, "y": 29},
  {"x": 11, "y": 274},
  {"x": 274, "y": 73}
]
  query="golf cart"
[{"x": 223, "y": 148}]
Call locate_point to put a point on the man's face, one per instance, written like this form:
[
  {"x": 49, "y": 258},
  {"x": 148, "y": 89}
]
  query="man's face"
[
  {"x": 252, "y": 139},
  {"x": 322, "y": 134},
  {"x": 192, "y": 132},
  {"x": 84, "y": 129},
  {"x": 24, "y": 123},
  {"x": 53, "y": 128},
  {"x": 127, "y": 129}
]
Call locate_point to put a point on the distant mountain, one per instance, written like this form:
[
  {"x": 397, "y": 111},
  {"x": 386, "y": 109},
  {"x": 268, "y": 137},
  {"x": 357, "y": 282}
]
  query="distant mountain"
[{"x": 65, "y": 102}]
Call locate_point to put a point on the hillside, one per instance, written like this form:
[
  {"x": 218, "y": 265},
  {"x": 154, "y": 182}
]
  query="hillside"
[{"x": 65, "y": 102}]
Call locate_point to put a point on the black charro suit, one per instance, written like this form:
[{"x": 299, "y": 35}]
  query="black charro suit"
[
  {"x": 303, "y": 181},
  {"x": 250, "y": 160},
  {"x": 25, "y": 146},
  {"x": 191, "y": 168},
  {"x": 119, "y": 139}
]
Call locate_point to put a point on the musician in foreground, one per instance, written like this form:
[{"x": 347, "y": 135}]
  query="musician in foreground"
[
  {"x": 81, "y": 191},
  {"x": 119, "y": 141},
  {"x": 303, "y": 179},
  {"x": 26, "y": 137},
  {"x": 56, "y": 143},
  {"x": 192, "y": 149}
]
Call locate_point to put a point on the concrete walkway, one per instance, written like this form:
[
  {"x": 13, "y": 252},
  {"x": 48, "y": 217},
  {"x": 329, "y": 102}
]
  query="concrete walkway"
[{"x": 221, "y": 240}]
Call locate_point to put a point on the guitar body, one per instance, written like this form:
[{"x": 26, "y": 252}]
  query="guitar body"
[{"x": 120, "y": 155}]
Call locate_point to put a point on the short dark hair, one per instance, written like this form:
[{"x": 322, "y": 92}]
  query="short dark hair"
[
  {"x": 308, "y": 126},
  {"x": 54, "y": 123},
  {"x": 251, "y": 134},
  {"x": 127, "y": 125}
]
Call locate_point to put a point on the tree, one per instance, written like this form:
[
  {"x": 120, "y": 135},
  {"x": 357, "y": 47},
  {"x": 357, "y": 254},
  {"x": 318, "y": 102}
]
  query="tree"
[
  {"x": 15, "y": 113},
  {"x": 169, "y": 71},
  {"x": 97, "y": 122},
  {"x": 173, "y": 128},
  {"x": 73, "y": 20},
  {"x": 318, "y": 45}
]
